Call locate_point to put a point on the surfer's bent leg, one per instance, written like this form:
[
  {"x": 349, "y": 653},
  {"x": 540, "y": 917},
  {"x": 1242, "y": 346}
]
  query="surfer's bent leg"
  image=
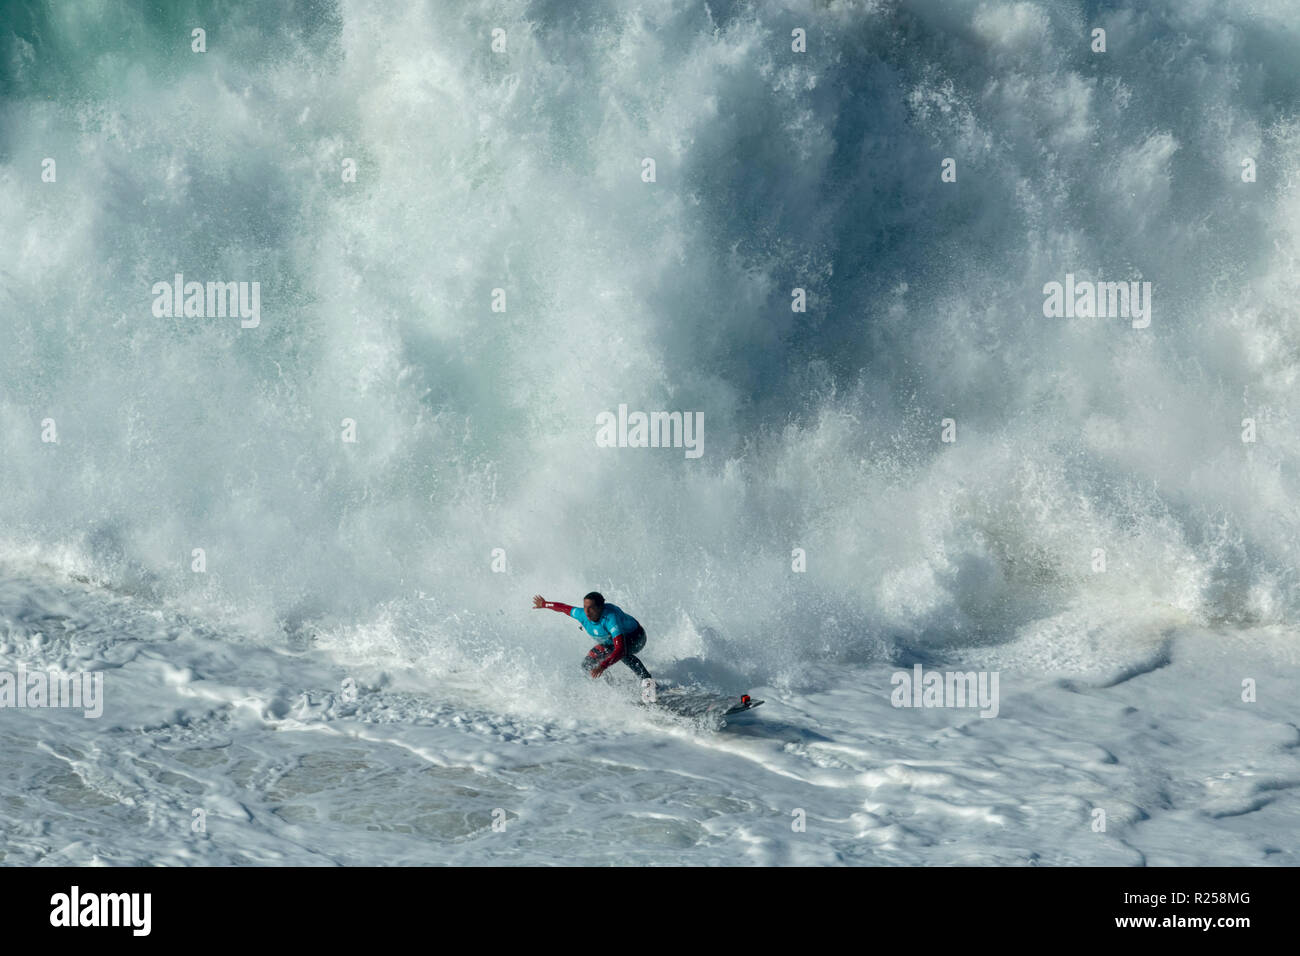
[
  {"x": 604, "y": 656},
  {"x": 594, "y": 657},
  {"x": 601, "y": 657},
  {"x": 631, "y": 660}
]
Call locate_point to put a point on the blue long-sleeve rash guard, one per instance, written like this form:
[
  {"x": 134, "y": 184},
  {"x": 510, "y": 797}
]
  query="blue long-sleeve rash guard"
[{"x": 613, "y": 622}]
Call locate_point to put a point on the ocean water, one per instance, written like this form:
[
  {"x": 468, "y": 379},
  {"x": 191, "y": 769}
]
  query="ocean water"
[{"x": 355, "y": 661}]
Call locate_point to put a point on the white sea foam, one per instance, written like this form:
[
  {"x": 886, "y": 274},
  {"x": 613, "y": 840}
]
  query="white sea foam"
[{"x": 326, "y": 559}]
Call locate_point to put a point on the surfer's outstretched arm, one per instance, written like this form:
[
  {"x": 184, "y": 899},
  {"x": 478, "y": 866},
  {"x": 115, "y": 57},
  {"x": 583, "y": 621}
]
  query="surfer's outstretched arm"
[{"x": 539, "y": 601}]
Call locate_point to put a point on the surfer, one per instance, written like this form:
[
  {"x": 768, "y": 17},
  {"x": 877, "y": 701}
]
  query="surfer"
[{"x": 617, "y": 633}]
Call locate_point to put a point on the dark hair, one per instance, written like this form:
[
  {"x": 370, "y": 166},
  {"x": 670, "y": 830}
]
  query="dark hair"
[{"x": 597, "y": 597}]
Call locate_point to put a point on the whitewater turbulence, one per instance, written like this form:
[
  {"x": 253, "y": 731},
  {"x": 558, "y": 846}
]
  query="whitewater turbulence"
[{"x": 433, "y": 279}]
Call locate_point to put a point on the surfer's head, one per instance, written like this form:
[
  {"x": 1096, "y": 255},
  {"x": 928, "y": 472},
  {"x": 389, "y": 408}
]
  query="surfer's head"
[{"x": 594, "y": 605}]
